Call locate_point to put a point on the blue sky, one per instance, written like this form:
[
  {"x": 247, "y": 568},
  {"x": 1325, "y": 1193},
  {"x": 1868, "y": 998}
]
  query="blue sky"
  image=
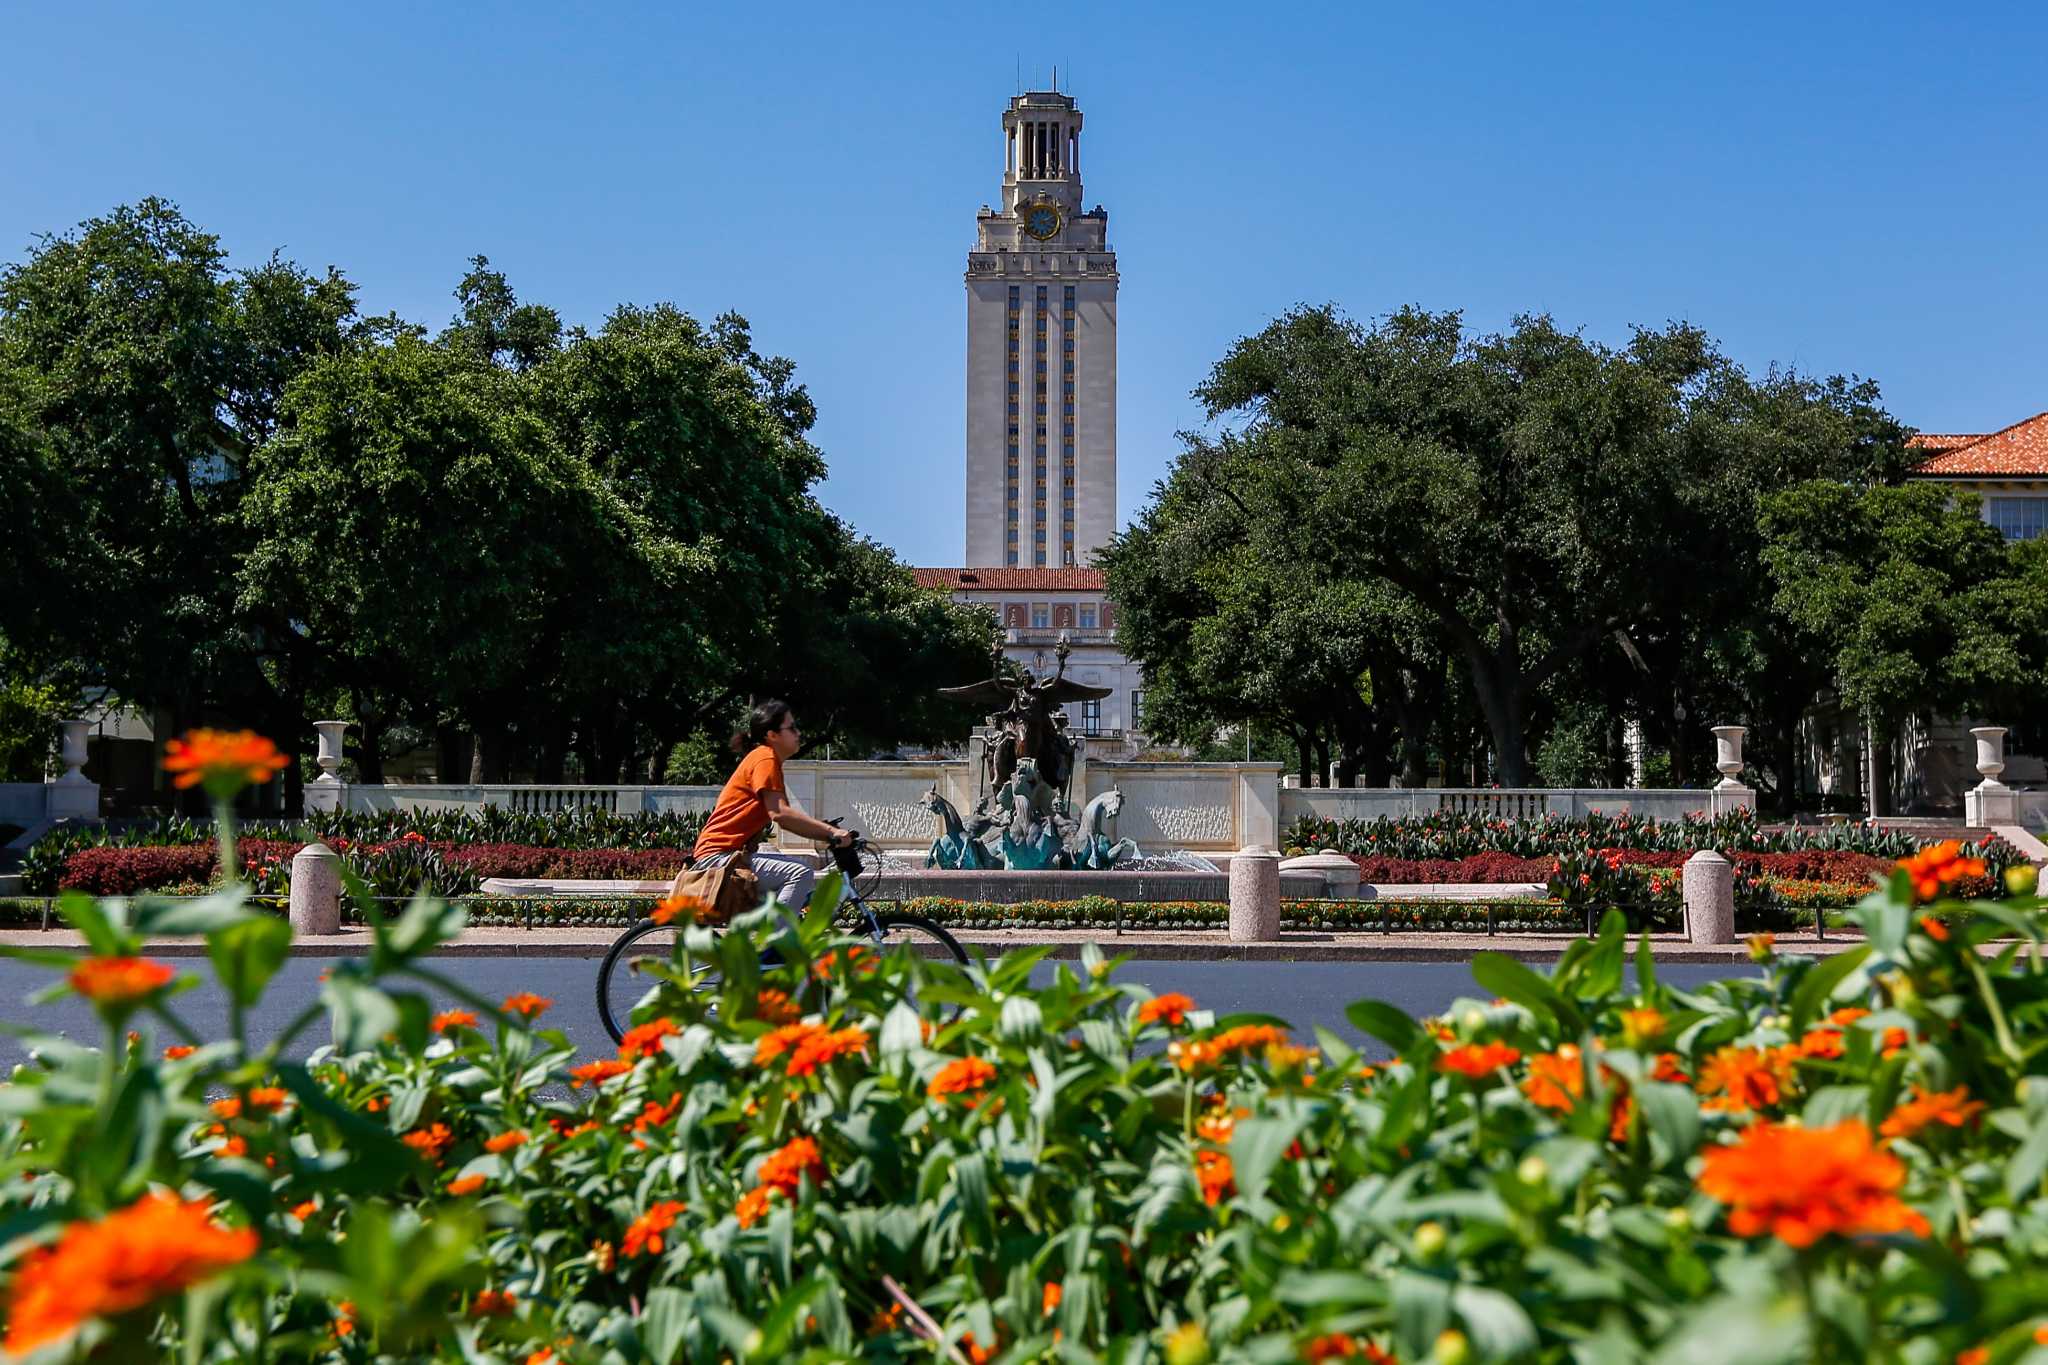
[{"x": 1836, "y": 187}]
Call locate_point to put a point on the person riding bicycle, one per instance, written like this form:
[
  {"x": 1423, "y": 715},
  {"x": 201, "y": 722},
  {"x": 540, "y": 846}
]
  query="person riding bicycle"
[{"x": 756, "y": 795}]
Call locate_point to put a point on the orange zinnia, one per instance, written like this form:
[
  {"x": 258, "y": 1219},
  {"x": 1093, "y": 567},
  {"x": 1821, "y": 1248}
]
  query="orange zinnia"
[
  {"x": 492, "y": 1303},
  {"x": 775, "y": 1007},
  {"x": 1824, "y": 1043},
  {"x": 1936, "y": 930},
  {"x": 225, "y": 761},
  {"x": 598, "y": 1072},
  {"x": 179, "y": 1052},
  {"x": 527, "y": 1004},
  {"x": 689, "y": 908},
  {"x": 1477, "y": 1061},
  {"x": 823, "y": 1047},
  {"x": 1800, "y": 1184},
  {"x": 452, "y": 1019},
  {"x": 644, "y": 1234},
  {"x": 1217, "y": 1176},
  {"x": 1050, "y": 1300},
  {"x": 120, "y": 981},
  {"x": 266, "y": 1099},
  {"x": 644, "y": 1040},
  {"x": 1172, "y": 1007},
  {"x": 753, "y": 1205},
  {"x": 1936, "y": 868},
  {"x": 1556, "y": 1079},
  {"x": 430, "y": 1142},
  {"x": 785, "y": 1168},
  {"x": 1744, "y": 1078},
  {"x": 505, "y": 1142},
  {"x": 961, "y": 1076},
  {"x": 158, "y": 1245},
  {"x": 1951, "y": 1108},
  {"x": 1641, "y": 1027},
  {"x": 466, "y": 1185},
  {"x": 784, "y": 1039},
  {"x": 654, "y": 1114},
  {"x": 1340, "y": 1346},
  {"x": 1245, "y": 1038}
]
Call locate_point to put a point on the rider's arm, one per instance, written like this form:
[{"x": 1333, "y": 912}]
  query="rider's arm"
[{"x": 785, "y": 814}]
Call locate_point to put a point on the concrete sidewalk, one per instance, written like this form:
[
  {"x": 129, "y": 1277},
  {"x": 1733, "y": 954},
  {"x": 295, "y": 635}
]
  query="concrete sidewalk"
[{"x": 1149, "y": 945}]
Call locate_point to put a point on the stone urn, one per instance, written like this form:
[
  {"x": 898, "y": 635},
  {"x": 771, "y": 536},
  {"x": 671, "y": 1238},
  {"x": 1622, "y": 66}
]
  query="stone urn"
[
  {"x": 73, "y": 751},
  {"x": 1728, "y": 753},
  {"x": 1990, "y": 751},
  {"x": 329, "y": 757}
]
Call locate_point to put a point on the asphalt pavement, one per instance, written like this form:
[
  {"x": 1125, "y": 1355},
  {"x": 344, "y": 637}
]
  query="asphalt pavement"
[{"x": 1306, "y": 994}]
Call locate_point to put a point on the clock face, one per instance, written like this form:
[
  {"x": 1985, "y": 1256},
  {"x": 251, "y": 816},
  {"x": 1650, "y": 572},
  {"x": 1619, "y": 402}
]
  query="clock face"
[{"x": 1041, "y": 220}]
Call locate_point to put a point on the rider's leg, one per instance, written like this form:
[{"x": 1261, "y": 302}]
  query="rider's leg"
[{"x": 786, "y": 879}]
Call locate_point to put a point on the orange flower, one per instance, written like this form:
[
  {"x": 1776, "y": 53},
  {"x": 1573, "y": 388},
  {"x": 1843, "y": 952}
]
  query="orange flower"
[
  {"x": 603, "y": 1255},
  {"x": 492, "y": 1303},
  {"x": 886, "y": 1320},
  {"x": 961, "y": 1076},
  {"x": 1847, "y": 1015},
  {"x": 1173, "y": 1007},
  {"x": 231, "y": 1146},
  {"x": 1938, "y": 867},
  {"x": 1050, "y": 1301},
  {"x": 644, "y": 1040},
  {"x": 855, "y": 958},
  {"x": 1762, "y": 947},
  {"x": 1800, "y": 1184},
  {"x": 598, "y": 1072},
  {"x": 1641, "y": 1027},
  {"x": 1824, "y": 1043},
  {"x": 179, "y": 1052},
  {"x": 505, "y": 1142},
  {"x": 468, "y": 1184},
  {"x": 527, "y": 1005},
  {"x": 1976, "y": 1355},
  {"x": 120, "y": 981},
  {"x": 1951, "y": 1108},
  {"x": 644, "y": 1234},
  {"x": 1244, "y": 1038},
  {"x": 304, "y": 1211},
  {"x": 654, "y": 1114},
  {"x": 430, "y": 1142},
  {"x": 229, "y": 1108},
  {"x": 822, "y": 1047},
  {"x": 225, "y": 761},
  {"x": 1556, "y": 1079},
  {"x": 158, "y": 1245},
  {"x": 1895, "y": 1041},
  {"x": 448, "y": 1019},
  {"x": 1670, "y": 1068},
  {"x": 753, "y": 1205},
  {"x": 976, "y": 1354},
  {"x": 1744, "y": 1078},
  {"x": 784, "y": 1039},
  {"x": 1935, "y": 929},
  {"x": 775, "y": 1007},
  {"x": 690, "y": 908},
  {"x": 785, "y": 1168},
  {"x": 544, "y": 1356},
  {"x": 1476, "y": 1061},
  {"x": 1339, "y": 1346},
  {"x": 1218, "y": 1178},
  {"x": 266, "y": 1099}
]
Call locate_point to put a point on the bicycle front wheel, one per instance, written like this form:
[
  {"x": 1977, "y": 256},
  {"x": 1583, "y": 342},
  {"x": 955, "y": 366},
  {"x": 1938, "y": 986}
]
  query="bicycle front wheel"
[{"x": 926, "y": 938}]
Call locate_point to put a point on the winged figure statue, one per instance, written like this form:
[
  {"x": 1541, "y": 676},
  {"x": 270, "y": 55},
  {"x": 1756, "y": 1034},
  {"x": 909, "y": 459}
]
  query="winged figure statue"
[{"x": 1026, "y": 712}]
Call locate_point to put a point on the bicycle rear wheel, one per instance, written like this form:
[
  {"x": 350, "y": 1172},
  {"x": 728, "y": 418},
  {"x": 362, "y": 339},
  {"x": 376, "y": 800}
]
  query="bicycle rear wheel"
[{"x": 623, "y": 982}]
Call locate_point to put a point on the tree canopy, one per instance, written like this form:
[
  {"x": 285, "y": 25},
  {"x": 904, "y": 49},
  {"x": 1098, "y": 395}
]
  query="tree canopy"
[{"x": 543, "y": 547}]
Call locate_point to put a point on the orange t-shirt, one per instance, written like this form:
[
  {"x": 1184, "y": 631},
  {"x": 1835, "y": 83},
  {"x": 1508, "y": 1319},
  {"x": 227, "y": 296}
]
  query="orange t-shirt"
[{"x": 739, "y": 817}]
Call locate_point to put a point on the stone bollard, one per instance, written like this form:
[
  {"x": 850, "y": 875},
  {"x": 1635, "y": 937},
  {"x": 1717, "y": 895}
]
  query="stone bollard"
[
  {"x": 1255, "y": 896},
  {"x": 1709, "y": 881},
  {"x": 316, "y": 891}
]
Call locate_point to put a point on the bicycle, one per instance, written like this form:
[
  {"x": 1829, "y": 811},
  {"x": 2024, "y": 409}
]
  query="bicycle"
[{"x": 617, "y": 994}]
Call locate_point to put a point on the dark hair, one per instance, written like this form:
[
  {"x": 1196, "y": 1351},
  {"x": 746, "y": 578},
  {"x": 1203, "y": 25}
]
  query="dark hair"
[{"x": 763, "y": 721}]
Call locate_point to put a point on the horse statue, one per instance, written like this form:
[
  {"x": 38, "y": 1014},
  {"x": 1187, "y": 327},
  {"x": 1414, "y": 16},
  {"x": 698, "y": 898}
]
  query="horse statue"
[
  {"x": 1032, "y": 838},
  {"x": 1099, "y": 849},
  {"x": 956, "y": 847}
]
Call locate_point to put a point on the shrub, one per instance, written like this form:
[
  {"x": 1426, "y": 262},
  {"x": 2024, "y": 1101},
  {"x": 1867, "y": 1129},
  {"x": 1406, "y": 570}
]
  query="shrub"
[
  {"x": 1837, "y": 1160},
  {"x": 126, "y": 871}
]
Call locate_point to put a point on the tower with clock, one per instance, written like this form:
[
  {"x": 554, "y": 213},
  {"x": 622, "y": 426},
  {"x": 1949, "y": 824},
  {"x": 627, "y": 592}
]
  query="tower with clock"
[{"x": 1041, "y": 354}]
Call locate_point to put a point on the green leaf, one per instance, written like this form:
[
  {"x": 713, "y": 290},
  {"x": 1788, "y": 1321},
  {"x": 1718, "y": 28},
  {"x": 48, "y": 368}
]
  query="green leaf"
[
  {"x": 1422, "y": 1310},
  {"x": 664, "y": 1321},
  {"x": 2023, "y": 1172},
  {"x": 1498, "y": 1325},
  {"x": 1673, "y": 1115},
  {"x": 86, "y": 916},
  {"x": 1390, "y": 1024},
  {"x": 1597, "y": 975},
  {"x": 1021, "y": 1020},
  {"x": 247, "y": 952},
  {"x": 1817, "y": 986},
  {"x": 1833, "y": 1104},
  {"x": 1646, "y": 968},
  {"x": 158, "y": 918},
  {"x": 426, "y": 924},
  {"x": 1510, "y": 980},
  {"x": 1256, "y": 1146}
]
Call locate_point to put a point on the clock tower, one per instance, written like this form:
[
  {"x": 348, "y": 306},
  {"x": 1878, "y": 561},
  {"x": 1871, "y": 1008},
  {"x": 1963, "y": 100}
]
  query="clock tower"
[{"x": 1041, "y": 354}]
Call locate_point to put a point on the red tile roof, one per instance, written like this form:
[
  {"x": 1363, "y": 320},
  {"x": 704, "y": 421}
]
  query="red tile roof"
[
  {"x": 2021, "y": 449},
  {"x": 1011, "y": 580}
]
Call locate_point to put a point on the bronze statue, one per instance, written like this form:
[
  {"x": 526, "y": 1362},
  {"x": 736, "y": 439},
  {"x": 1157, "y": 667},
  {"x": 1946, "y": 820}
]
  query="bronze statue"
[{"x": 1031, "y": 723}]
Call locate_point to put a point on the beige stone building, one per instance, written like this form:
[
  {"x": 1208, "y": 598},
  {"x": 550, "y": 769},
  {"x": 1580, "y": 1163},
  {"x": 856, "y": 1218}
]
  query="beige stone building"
[
  {"x": 1041, "y": 353},
  {"x": 1037, "y": 609}
]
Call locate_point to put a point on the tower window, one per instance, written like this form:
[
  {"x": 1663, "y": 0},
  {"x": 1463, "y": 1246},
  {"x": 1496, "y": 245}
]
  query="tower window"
[
  {"x": 1041, "y": 616},
  {"x": 1011, "y": 559},
  {"x": 1088, "y": 616},
  {"x": 1016, "y": 295}
]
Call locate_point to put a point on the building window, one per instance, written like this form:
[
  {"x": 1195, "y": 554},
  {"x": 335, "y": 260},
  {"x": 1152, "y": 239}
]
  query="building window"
[
  {"x": 1011, "y": 559},
  {"x": 1039, "y": 559},
  {"x": 1137, "y": 710},
  {"x": 1016, "y": 295},
  {"x": 1041, "y": 296},
  {"x": 1087, "y": 616},
  {"x": 1070, "y": 557},
  {"x": 2018, "y": 518},
  {"x": 1091, "y": 716},
  {"x": 1070, "y": 295},
  {"x": 1041, "y": 616}
]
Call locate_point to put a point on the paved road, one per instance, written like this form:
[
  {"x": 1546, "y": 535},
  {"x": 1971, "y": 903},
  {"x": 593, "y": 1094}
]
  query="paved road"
[{"x": 1305, "y": 993}]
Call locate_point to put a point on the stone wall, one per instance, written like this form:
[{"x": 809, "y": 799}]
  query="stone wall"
[{"x": 1368, "y": 803}]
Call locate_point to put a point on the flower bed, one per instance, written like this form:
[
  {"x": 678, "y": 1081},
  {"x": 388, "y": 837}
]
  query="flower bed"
[
  {"x": 847, "y": 1157},
  {"x": 454, "y": 869}
]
